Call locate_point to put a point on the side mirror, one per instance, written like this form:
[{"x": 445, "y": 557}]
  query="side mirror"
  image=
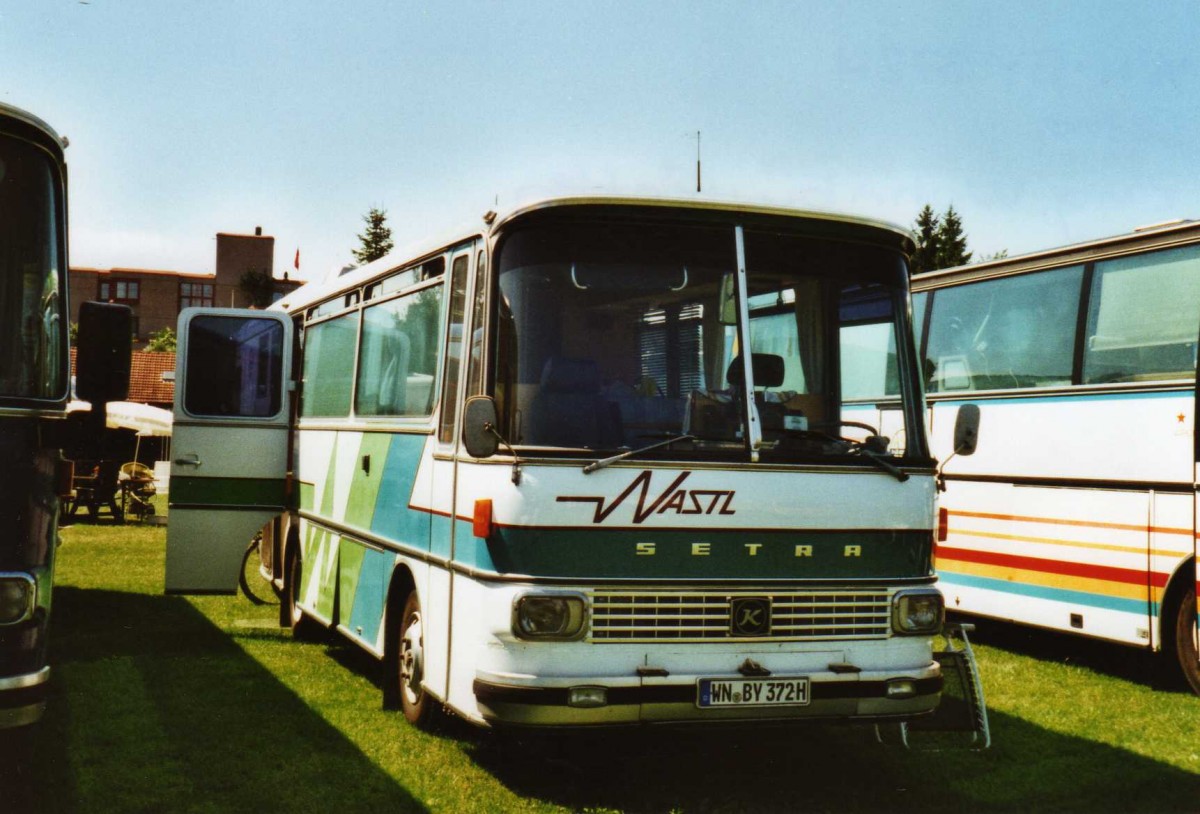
[
  {"x": 103, "y": 356},
  {"x": 479, "y": 427},
  {"x": 966, "y": 429}
]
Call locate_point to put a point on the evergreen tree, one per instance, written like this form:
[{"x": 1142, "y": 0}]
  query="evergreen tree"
[
  {"x": 928, "y": 229},
  {"x": 952, "y": 242},
  {"x": 376, "y": 239}
]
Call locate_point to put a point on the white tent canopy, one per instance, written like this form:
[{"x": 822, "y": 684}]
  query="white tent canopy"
[{"x": 131, "y": 415}]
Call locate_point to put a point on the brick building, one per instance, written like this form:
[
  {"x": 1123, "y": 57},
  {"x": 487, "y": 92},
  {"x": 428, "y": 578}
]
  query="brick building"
[{"x": 157, "y": 296}]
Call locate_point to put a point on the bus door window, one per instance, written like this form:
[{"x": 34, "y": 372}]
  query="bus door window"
[
  {"x": 454, "y": 347},
  {"x": 234, "y": 367},
  {"x": 870, "y": 371},
  {"x": 477, "y": 352}
]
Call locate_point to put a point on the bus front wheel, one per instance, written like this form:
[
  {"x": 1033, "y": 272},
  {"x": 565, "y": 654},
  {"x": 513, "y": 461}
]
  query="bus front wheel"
[
  {"x": 1184, "y": 650},
  {"x": 418, "y": 707}
]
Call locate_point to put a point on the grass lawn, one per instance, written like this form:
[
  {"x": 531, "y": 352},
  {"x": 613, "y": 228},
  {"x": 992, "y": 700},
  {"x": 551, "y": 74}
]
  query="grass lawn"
[{"x": 204, "y": 705}]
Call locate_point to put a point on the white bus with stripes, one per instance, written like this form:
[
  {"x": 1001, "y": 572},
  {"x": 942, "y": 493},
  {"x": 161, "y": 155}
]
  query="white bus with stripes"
[
  {"x": 1078, "y": 512},
  {"x": 531, "y": 468}
]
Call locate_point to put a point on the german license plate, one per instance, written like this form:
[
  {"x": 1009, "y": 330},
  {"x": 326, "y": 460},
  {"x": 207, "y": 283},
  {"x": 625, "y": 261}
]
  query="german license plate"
[{"x": 752, "y": 692}]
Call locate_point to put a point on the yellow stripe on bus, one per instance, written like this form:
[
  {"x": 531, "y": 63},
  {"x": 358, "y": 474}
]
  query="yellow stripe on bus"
[{"x": 1021, "y": 575}]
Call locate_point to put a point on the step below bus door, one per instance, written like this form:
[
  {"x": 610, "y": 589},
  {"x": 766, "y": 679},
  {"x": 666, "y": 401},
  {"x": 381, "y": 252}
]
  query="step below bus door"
[
  {"x": 229, "y": 446},
  {"x": 960, "y": 720}
]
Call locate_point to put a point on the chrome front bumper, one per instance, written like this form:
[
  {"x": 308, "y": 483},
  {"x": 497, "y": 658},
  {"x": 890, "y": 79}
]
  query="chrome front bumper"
[
  {"x": 864, "y": 696},
  {"x": 23, "y": 698}
]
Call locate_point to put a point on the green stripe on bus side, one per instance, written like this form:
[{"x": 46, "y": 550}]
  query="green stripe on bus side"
[
  {"x": 366, "y": 478},
  {"x": 708, "y": 554},
  {"x": 350, "y": 560},
  {"x": 327, "y": 577},
  {"x": 193, "y": 490}
]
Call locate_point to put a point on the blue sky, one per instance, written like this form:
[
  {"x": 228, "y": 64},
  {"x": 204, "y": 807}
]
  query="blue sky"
[{"x": 1042, "y": 123}]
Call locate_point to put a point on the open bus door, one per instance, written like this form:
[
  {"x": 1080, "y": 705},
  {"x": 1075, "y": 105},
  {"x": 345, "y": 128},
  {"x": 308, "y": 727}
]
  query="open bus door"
[{"x": 230, "y": 442}]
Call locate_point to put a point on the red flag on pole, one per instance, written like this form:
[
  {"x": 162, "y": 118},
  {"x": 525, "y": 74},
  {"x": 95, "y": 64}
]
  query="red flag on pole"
[{"x": 297, "y": 259}]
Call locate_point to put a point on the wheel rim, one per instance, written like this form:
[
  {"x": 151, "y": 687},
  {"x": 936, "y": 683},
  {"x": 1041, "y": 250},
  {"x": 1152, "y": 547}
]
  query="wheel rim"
[{"x": 411, "y": 660}]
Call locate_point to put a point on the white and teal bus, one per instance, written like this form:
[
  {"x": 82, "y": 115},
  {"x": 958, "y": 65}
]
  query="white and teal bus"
[
  {"x": 1078, "y": 513},
  {"x": 584, "y": 464}
]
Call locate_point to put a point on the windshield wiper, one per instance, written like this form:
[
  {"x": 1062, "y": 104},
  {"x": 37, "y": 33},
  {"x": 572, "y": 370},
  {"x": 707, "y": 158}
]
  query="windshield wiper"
[
  {"x": 873, "y": 448},
  {"x": 603, "y": 462}
]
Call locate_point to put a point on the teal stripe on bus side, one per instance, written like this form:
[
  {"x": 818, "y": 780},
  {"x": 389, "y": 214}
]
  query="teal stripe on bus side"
[
  {"x": 1113, "y": 603},
  {"x": 366, "y": 615},
  {"x": 391, "y": 518}
]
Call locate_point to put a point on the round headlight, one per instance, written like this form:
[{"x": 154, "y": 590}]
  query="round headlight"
[{"x": 17, "y": 592}]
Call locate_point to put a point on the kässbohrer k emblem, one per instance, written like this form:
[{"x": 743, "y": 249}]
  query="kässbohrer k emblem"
[{"x": 750, "y": 615}]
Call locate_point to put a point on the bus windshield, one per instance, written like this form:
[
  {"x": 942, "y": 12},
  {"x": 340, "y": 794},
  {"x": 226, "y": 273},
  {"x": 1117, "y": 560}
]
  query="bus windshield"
[
  {"x": 613, "y": 336},
  {"x": 32, "y": 331}
]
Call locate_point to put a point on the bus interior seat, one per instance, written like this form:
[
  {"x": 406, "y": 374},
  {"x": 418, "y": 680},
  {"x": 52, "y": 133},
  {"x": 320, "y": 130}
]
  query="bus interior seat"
[
  {"x": 774, "y": 409},
  {"x": 569, "y": 409}
]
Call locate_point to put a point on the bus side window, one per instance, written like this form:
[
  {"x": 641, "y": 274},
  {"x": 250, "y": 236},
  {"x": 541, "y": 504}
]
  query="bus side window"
[
  {"x": 454, "y": 348},
  {"x": 1003, "y": 334},
  {"x": 1142, "y": 318},
  {"x": 397, "y": 363},
  {"x": 329, "y": 359}
]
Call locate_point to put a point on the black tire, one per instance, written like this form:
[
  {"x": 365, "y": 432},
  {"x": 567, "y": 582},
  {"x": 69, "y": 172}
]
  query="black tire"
[
  {"x": 419, "y": 708},
  {"x": 304, "y": 628},
  {"x": 1181, "y": 638},
  {"x": 250, "y": 574}
]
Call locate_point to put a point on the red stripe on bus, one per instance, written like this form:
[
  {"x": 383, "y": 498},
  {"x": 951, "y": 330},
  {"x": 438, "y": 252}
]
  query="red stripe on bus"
[{"x": 1071, "y": 569}]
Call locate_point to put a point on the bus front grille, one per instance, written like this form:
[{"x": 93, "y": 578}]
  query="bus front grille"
[{"x": 631, "y": 616}]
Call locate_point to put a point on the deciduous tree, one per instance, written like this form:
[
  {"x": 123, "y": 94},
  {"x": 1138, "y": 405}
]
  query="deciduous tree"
[
  {"x": 161, "y": 341},
  {"x": 258, "y": 287}
]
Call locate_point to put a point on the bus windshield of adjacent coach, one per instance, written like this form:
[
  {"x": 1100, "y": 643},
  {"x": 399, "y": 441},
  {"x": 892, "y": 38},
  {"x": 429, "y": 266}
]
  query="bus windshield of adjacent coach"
[
  {"x": 615, "y": 336},
  {"x": 32, "y": 329}
]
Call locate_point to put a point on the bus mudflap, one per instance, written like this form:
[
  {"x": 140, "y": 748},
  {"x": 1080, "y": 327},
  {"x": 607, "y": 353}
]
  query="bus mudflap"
[{"x": 960, "y": 720}]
